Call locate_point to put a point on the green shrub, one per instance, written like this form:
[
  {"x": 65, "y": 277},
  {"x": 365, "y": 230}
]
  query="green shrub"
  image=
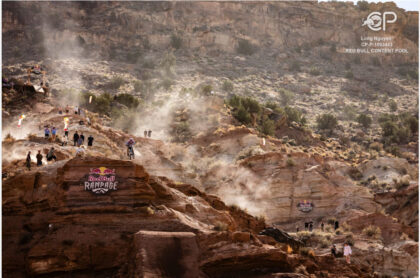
[
  {"x": 176, "y": 41},
  {"x": 286, "y": 97},
  {"x": 268, "y": 127},
  {"x": 128, "y": 100},
  {"x": 206, "y": 90},
  {"x": 294, "y": 115},
  {"x": 364, "y": 120},
  {"x": 242, "y": 115},
  {"x": 372, "y": 231},
  {"x": 290, "y": 162},
  {"x": 363, "y": 5},
  {"x": 393, "y": 105},
  {"x": 326, "y": 122},
  {"x": 227, "y": 86},
  {"x": 314, "y": 71},
  {"x": 245, "y": 47},
  {"x": 116, "y": 82}
]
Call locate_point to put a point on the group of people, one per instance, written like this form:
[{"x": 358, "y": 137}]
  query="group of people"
[
  {"x": 47, "y": 132},
  {"x": 79, "y": 140},
  {"x": 346, "y": 251},
  {"x": 148, "y": 133},
  {"x": 310, "y": 225},
  {"x": 50, "y": 156}
]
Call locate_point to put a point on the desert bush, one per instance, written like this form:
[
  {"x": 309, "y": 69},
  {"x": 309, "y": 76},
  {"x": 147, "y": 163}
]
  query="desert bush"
[
  {"x": 349, "y": 239},
  {"x": 245, "y": 47},
  {"x": 294, "y": 115},
  {"x": 220, "y": 227},
  {"x": 400, "y": 183},
  {"x": 227, "y": 86},
  {"x": 364, "y": 120},
  {"x": 372, "y": 231},
  {"x": 314, "y": 71},
  {"x": 349, "y": 112},
  {"x": 176, "y": 41},
  {"x": 393, "y": 106},
  {"x": 286, "y": 97},
  {"x": 308, "y": 252},
  {"x": 326, "y": 122},
  {"x": 268, "y": 127},
  {"x": 290, "y": 162},
  {"x": 349, "y": 74},
  {"x": 206, "y": 90},
  {"x": 304, "y": 236},
  {"x": 331, "y": 221},
  {"x": 354, "y": 173},
  {"x": 324, "y": 243},
  {"x": 376, "y": 146},
  {"x": 115, "y": 83},
  {"x": 363, "y": 5},
  {"x": 9, "y": 138},
  {"x": 128, "y": 100}
]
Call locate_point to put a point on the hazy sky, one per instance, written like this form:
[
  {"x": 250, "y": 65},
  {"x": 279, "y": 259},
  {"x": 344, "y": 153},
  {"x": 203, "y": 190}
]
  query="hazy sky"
[{"x": 408, "y": 5}]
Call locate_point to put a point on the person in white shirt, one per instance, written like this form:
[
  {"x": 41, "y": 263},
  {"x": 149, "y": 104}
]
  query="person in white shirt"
[{"x": 347, "y": 252}]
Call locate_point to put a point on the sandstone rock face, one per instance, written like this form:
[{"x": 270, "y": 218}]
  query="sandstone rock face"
[
  {"x": 281, "y": 187},
  {"x": 166, "y": 254},
  {"x": 205, "y": 27}
]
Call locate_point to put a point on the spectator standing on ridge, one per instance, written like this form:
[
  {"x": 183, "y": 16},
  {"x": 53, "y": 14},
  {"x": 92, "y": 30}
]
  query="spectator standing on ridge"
[
  {"x": 347, "y": 252},
  {"x": 90, "y": 140},
  {"x": 75, "y": 138},
  {"x": 311, "y": 226},
  {"x": 83, "y": 137},
  {"x": 145, "y": 133},
  {"x": 306, "y": 226},
  {"x": 28, "y": 161},
  {"x": 336, "y": 225},
  {"x": 53, "y": 133},
  {"x": 149, "y": 133},
  {"x": 322, "y": 226},
  {"x": 39, "y": 159},
  {"x": 47, "y": 132}
]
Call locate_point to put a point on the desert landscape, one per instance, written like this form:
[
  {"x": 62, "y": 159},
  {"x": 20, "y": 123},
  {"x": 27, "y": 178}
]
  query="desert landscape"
[{"x": 260, "y": 142}]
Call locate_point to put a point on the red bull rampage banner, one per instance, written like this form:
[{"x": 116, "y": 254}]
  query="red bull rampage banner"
[{"x": 101, "y": 180}]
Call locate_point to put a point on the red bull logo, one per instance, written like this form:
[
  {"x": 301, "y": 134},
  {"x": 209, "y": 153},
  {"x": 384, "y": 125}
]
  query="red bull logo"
[
  {"x": 305, "y": 206},
  {"x": 101, "y": 180}
]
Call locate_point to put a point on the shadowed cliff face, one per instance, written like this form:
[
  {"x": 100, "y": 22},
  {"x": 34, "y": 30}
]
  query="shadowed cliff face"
[{"x": 209, "y": 28}]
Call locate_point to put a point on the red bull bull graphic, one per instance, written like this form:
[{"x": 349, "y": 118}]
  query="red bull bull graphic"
[
  {"x": 101, "y": 180},
  {"x": 305, "y": 206}
]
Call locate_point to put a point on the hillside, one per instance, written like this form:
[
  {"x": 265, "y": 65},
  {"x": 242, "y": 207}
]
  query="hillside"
[{"x": 255, "y": 124}]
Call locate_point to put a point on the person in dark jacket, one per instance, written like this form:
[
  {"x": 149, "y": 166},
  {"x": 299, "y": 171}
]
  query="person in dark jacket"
[
  {"x": 39, "y": 159},
  {"x": 28, "y": 161},
  {"x": 149, "y": 133},
  {"x": 51, "y": 155},
  {"x": 75, "y": 138},
  {"x": 90, "y": 141},
  {"x": 83, "y": 137}
]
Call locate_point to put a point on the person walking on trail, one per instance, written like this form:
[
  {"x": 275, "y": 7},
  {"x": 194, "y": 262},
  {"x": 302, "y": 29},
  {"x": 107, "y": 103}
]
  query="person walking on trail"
[
  {"x": 347, "y": 252},
  {"x": 51, "y": 155},
  {"x": 47, "y": 132},
  {"x": 149, "y": 133},
  {"x": 145, "y": 133},
  {"x": 90, "y": 141},
  {"x": 75, "y": 138},
  {"x": 53, "y": 133},
  {"x": 39, "y": 159},
  {"x": 28, "y": 161}
]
